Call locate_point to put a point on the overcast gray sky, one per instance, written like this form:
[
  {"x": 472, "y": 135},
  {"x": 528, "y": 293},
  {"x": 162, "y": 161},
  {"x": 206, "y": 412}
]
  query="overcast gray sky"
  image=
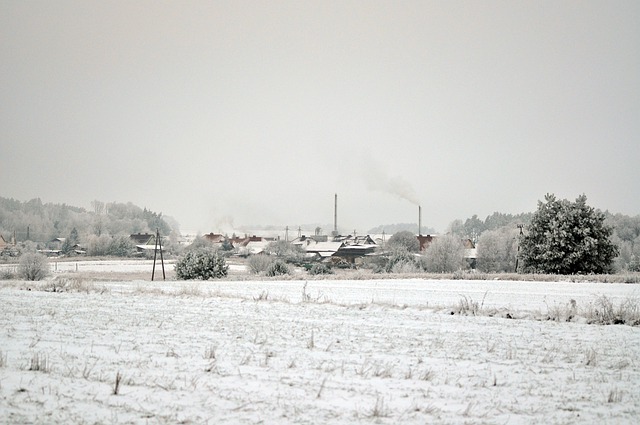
[{"x": 258, "y": 112}]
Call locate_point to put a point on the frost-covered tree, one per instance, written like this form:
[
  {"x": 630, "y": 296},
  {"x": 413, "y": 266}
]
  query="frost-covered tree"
[
  {"x": 628, "y": 254},
  {"x": 70, "y": 242},
  {"x": 445, "y": 254},
  {"x": 33, "y": 266},
  {"x": 404, "y": 240},
  {"x": 121, "y": 246},
  {"x": 627, "y": 237},
  {"x": 98, "y": 245},
  {"x": 472, "y": 228},
  {"x": 497, "y": 250},
  {"x": 286, "y": 251},
  {"x": 567, "y": 238}
]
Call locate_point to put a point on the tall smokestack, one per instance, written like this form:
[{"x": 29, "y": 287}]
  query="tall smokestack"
[
  {"x": 419, "y": 220},
  {"x": 335, "y": 216}
]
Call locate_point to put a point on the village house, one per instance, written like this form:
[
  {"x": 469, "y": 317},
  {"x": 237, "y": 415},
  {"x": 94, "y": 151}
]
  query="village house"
[
  {"x": 144, "y": 242},
  {"x": 143, "y": 238}
]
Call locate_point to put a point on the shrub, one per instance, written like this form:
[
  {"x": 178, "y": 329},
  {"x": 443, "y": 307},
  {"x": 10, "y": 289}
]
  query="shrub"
[
  {"x": 33, "y": 266},
  {"x": 604, "y": 312},
  {"x": 7, "y": 274},
  {"x": 320, "y": 269},
  {"x": 203, "y": 264},
  {"x": 259, "y": 263},
  {"x": 399, "y": 259},
  {"x": 405, "y": 267},
  {"x": 278, "y": 268}
]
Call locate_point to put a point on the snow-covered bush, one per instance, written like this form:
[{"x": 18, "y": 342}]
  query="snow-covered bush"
[
  {"x": 400, "y": 259},
  {"x": 202, "y": 264},
  {"x": 259, "y": 263},
  {"x": 278, "y": 268},
  {"x": 33, "y": 266},
  {"x": 405, "y": 267},
  {"x": 320, "y": 269}
]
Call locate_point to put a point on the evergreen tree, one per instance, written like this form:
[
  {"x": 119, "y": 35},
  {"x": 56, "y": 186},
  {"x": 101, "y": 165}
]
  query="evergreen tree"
[
  {"x": 567, "y": 238},
  {"x": 70, "y": 242}
]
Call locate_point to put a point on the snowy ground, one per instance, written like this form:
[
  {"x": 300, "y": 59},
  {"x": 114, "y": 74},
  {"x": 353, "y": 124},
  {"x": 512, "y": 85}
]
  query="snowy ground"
[{"x": 383, "y": 351}]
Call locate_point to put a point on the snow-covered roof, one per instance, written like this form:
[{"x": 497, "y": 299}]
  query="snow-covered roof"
[
  {"x": 146, "y": 247},
  {"x": 256, "y": 247},
  {"x": 324, "y": 247}
]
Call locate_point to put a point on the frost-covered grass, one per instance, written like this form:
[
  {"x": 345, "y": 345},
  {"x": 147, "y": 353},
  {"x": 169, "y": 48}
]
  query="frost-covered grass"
[
  {"x": 241, "y": 269},
  {"x": 334, "y": 351}
]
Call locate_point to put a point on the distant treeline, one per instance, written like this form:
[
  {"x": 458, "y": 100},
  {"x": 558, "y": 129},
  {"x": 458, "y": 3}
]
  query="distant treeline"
[
  {"x": 473, "y": 227},
  {"x": 390, "y": 229},
  {"x": 39, "y": 222},
  {"x": 470, "y": 228}
]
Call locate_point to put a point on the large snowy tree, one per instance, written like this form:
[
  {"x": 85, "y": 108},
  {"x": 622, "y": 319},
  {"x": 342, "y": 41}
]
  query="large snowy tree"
[
  {"x": 404, "y": 240},
  {"x": 445, "y": 254},
  {"x": 567, "y": 238},
  {"x": 497, "y": 250}
]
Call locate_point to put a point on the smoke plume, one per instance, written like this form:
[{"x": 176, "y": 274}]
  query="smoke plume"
[{"x": 394, "y": 185}]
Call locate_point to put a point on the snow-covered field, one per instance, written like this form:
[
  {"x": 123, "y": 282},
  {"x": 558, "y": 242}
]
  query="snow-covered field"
[{"x": 371, "y": 351}]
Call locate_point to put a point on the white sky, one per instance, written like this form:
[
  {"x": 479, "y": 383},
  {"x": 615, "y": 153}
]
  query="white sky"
[{"x": 258, "y": 112}]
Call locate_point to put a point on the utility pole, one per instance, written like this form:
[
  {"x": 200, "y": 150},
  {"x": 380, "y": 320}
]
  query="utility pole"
[
  {"x": 157, "y": 247},
  {"x": 520, "y": 226}
]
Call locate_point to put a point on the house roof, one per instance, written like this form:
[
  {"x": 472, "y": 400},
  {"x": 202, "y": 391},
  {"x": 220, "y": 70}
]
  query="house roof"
[
  {"x": 246, "y": 240},
  {"x": 216, "y": 238},
  {"x": 146, "y": 247},
  {"x": 256, "y": 247},
  {"x": 321, "y": 247},
  {"x": 141, "y": 238}
]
